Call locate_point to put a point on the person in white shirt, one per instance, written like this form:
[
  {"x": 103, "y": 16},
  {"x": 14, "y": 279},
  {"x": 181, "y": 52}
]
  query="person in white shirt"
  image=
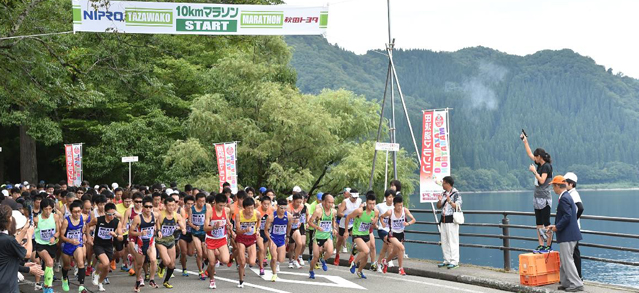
[
  {"x": 382, "y": 230},
  {"x": 571, "y": 179}
]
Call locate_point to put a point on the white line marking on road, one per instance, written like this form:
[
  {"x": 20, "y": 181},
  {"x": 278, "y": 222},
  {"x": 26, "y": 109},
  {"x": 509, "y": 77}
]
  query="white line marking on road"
[
  {"x": 245, "y": 283},
  {"x": 434, "y": 284},
  {"x": 336, "y": 280}
]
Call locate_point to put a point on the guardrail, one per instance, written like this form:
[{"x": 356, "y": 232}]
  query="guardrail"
[{"x": 505, "y": 234}]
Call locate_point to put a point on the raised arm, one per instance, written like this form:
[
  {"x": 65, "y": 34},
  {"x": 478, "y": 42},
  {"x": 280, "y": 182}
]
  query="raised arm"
[{"x": 528, "y": 151}]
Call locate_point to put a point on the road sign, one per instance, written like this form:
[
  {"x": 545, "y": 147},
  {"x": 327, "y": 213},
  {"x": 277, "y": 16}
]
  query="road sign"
[
  {"x": 129, "y": 159},
  {"x": 386, "y": 146}
]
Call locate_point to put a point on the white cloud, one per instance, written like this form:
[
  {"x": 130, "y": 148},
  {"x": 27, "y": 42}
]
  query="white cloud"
[{"x": 602, "y": 30}]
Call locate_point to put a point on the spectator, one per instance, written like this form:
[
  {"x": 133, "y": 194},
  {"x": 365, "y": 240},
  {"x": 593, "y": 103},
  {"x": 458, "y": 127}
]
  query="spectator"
[
  {"x": 449, "y": 201},
  {"x": 542, "y": 200},
  {"x": 11, "y": 253},
  {"x": 396, "y": 186},
  {"x": 571, "y": 179},
  {"x": 567, "y": 236}
]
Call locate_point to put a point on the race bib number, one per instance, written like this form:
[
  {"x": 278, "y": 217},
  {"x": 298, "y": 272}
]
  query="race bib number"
[
  {"x": 75, "y": 234},
  {"x": 279, "y": 230},
  {"x": 364, "y": 227},
  {"x": 262, "y": 224},
  {"x": 350, "y": 223},
  {"x": 128, "y": 225},
  {"x": 147, "y": 233},
  {"x": 198, "y": 219},
  {"x": 385, "y": 221},
  {"x": 325, "y": 226},
  {"x": 248, "y": 225},
  {"x": 218, "y": 233},
  {"x": 303, "y": 218},
  {"x": 47, "y": 234},
  {"x": 398, "y": 224},
  {"x": 167, "y": 230},
  {"x": 105, "y": 233}
]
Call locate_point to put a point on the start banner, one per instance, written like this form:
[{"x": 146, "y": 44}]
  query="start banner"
[
  {"x": 227, "y": 164},
  {"x": 200, "y": 19},
  {"x": 73, "y": 154},
  {"x": 435, "y": 164}
]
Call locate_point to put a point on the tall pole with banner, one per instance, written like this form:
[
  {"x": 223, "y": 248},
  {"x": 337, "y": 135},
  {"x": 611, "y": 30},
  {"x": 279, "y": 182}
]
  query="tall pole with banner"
[
  {"x": 129, "y": 160},
  {"x": 73, "y": 156},
  {"x": 435, "y": 161},
  {"x": 226, "y": 154}
]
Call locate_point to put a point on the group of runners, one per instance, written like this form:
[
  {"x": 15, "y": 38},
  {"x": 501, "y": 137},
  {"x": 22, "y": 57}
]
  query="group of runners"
[{"x": 146, "y": 231}]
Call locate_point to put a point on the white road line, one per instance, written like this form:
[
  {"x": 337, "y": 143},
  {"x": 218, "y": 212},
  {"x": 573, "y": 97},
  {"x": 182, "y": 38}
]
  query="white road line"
[
  {"x": 245, "y": 283},
  {"x": 434, "y": 284},
  {"x": 336, "y": 281}
]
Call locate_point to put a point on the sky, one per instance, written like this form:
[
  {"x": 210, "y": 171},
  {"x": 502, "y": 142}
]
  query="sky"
[{"x": 604, "y": 30}]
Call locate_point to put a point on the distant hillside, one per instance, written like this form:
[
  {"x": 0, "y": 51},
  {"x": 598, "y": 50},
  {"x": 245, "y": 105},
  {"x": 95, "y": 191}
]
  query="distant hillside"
[{"x": 586, "y": 117}]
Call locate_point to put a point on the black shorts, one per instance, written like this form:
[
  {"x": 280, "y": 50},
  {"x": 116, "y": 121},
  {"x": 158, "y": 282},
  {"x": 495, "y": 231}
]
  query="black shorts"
[
  {"x": 366, "y": 238},
  {"x": 187, "y": 237},
  {"x": 542, "y": 217},
  {"x": 382, "y": 235},
  {"x": 321, "y": 242},
  {"x": 201, "y": 237},
  {"x": 119, "y": 245},
  {"x": 399, "y": 236},
  {"x": 51, "y": 249},
  {"x": 302, "y": 231},
  {"x": 342, "y": 230},
  {"x": 99, "y": 249},
  {"x": 263, "y": 235}
]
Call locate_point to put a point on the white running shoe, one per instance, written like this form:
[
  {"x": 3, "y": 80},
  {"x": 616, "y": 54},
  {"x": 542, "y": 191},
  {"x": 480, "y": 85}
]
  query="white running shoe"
[
  {"x": 301, "y": 260},
  {"x": 240, "y": 285},
  {"x": 217, "y": 264},
  {"x": 290, "y": 264},
  {"x": 277, "y": 268},
  {"x": 57, "y": 267},
  {"x": 37, "y": 286},
  {"x": 344, "y": 249},
  {"x": 212, "y": 284},
  {"x": 96, "y": 279},
  {"x": 297, "y": 265},
  {"x": 101, "y": 288},
  {"x": 380, "y": 268},
  {"x": 391, "y": 264}
]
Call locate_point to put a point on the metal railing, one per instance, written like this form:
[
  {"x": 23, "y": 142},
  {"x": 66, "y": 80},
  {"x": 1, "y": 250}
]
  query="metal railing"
[{"x": 506, "y": 237}]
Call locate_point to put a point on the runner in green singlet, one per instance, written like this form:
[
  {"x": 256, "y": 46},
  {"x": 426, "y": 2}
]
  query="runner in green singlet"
[
  {"x": 326, "y": 227},
  {"x": 364, "y": 218}
]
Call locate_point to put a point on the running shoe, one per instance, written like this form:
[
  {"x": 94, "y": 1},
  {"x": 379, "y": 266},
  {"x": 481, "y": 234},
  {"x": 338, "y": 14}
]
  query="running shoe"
[
  {"x": 384, "y": 266},
  {"x": 167, "y": 285},
  {"x": 261, "y": 271},
  {"x": 124, "y": 268},
  {"x": 361, "y": 275},
  {"x": 106, "y": 281},
  {"x": 101, "y": 288},
  {"x": 113, "y": 265},
  {"x": 297, "y": 265},
  {"x": 57, "y": 267},
  {"x": 311, "y": 275},
  {"x": 537, "y": 250},
  {"x": 277, "y": 268},
  {"x": 136, "y": 289},
  {"x": 442, "y": 265},
  {"x": 212, "y": 284},
  {"x": 152, "y": 284},
  {"x": 391, "y": 264},
  {"x": 324, "y": 266},
  {"x": 290, "y": 264},
  {"x": 230, "y": 263},
  {"x": 374, "y": 266},
  {"x": 450, "y": 267},
  {"x": 88, "y": 271},
  {"x": 317, "y": 265},
  {"x": 336, "y": 262},
  {"x": 301, "y": 260},
  {"x": 146, "y": 277},
  {"x": 353, "y": 267},
  {"x": 380, "y": 268},
  {"x": 344, "y": 249},
  {"x": 402, "y": 273},
  {"x": 240, "y": 285},
  {"x": 141, "y": 283},
  {"x": 161, "y": 271},
  {"x": 65, "y": 285},
  {"x": 351, "y": 259},
  {"x": 202, "y": 275},
  {"x": 47, "y": 290},
  {"x": 38, "y": 286},
  {"x": 96, "y": 279},
  {"x": 81, "y": 289},
  {"x": 273, "y": 277},
  {"x": 184, "y": 273},
  {"x": 131, "y": 272}
]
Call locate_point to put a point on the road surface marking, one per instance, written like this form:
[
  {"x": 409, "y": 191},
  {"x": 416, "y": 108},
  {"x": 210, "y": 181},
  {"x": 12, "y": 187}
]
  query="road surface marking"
[
  {"x": 336, "y": 281},
  {"x": 434, "y": 284},
  {"x": 245, "y": 283}
]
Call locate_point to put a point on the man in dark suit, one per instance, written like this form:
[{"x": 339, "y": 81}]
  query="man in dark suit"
[{"x": 568, "y": 234}]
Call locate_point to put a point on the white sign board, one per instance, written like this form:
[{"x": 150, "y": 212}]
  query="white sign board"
[
  {"x": 386, "y": 146},
  {"x": 129, "y": 159}
]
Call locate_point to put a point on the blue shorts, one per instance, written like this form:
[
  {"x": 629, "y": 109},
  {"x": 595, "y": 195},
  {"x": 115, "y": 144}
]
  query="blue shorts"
[
  {"x": 279, "y": 241},
  {"x": 69, "y": 249},
  {"x": 382, "y": 234}
]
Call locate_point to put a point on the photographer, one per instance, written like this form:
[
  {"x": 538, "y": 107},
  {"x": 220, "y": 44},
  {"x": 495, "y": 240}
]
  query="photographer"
[{"x": 542, "y": 200}]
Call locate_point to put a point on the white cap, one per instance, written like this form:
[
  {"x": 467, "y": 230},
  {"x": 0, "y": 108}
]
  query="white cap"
[
  {"x": 97, "y": 187},
  {"x": 347, "y": 189},
  {"x": 289, "y": 198},
  {"x": 5, "y": 192},
  {"x": 169, "y": 191},
  {"x": 19, "y": 218},
  {"x": 114, "y": 185},
  {"x": 297, "y": 189},
  {"x": 25, "y": 183},
  {"x": 572, "y": 176}
]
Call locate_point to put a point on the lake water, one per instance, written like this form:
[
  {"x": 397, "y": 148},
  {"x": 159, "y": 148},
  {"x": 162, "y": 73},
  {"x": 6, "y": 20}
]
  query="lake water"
[{"x": 601, "y": 203}]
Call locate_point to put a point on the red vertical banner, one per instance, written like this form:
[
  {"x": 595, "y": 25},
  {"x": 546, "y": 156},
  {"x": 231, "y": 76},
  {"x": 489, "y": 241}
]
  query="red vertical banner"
[
  {"x": 221, "y": 163},
  {"x": 68, "y": 151}
]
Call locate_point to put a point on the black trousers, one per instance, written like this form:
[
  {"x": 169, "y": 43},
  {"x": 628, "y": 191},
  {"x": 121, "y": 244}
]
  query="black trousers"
[{"x": 577, "y": 257}]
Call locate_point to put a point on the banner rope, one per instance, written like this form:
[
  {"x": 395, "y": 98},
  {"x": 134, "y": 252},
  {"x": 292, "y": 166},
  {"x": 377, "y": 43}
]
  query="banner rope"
[{"x": 33, "y": 36}]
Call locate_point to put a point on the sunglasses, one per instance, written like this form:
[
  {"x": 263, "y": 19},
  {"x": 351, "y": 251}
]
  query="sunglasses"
[
  {"x": 148, "y": 207},
  {"x": 110, "y": 214},
  {"x": 138, "y": 201}
]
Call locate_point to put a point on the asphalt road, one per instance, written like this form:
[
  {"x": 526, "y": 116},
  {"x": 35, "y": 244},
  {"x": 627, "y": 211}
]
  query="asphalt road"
[{"x": 336, "y": 279}]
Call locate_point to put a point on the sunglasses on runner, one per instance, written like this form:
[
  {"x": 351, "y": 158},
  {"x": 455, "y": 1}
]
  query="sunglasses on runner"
[
  {"x": 148, "y": 207},
  {"x": 137, "y": 201},
  {"x": 110, "y": 214}
]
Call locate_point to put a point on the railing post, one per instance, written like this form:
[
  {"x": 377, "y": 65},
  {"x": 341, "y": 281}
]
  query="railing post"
[{"x": 506, "y": 242}]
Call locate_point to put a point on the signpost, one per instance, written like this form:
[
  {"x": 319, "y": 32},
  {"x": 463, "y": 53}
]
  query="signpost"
[{"x": 129, "y": 160}]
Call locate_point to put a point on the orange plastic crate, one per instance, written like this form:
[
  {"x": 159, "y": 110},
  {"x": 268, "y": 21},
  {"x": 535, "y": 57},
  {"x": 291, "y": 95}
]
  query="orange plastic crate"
[
  {"x": 539, "y": 280},
  {"x": 531, "y": 264}
]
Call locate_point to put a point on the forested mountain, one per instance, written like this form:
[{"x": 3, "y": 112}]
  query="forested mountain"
[{"x": 585, "y": 116}]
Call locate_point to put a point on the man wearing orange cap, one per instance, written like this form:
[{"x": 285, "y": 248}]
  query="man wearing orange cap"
[{"x": 568, "y": 234}]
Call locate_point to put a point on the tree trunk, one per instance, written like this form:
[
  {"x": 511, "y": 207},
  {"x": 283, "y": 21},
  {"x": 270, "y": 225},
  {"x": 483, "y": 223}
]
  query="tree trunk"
[{"x": 28, "y": 162}]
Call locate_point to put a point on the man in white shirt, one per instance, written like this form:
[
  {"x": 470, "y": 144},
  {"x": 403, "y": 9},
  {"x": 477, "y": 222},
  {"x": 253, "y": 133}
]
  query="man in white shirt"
[{"x": 571, "y": 179}]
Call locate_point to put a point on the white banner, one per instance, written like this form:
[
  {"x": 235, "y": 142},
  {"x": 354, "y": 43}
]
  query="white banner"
[
  {"x": 387, "y": 146},
  {"x": 200, "y": 19},
  {"x": 435, "y": 164},
  {"x": 227, "y": 164}
]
